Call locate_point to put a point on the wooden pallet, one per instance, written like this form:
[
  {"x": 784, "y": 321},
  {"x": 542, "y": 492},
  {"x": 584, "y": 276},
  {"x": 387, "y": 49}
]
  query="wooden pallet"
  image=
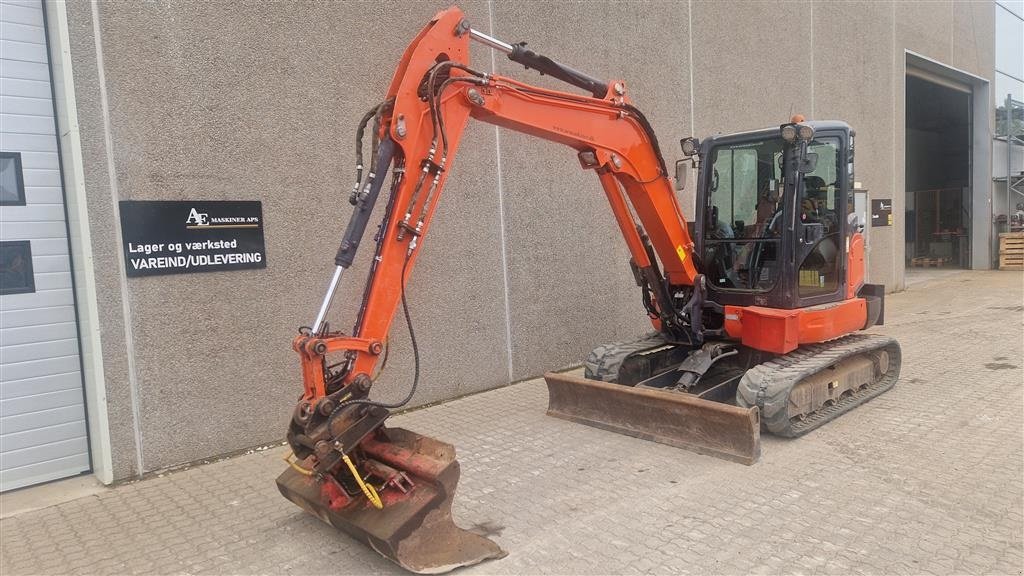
[
  {"x": 1011, "y": 251},
  {"x": 922, "y": 262}
]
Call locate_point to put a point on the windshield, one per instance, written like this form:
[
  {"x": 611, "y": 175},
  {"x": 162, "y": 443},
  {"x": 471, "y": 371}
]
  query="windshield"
[
  {"x": 745, "y": 189},
  {"x": 744, "y": 214}
]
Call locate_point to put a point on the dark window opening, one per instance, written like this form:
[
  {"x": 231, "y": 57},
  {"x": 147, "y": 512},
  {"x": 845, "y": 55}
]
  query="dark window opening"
[
  {"x": 16, "y": 268},
  {"x": 12, "y": 182},
  {"x": 822, "y": 205},
  {"x": 744, "y": 227},
  {"x": 938, "y": 175}
]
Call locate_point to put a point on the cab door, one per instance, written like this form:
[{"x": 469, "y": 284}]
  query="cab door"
[{"x": 821, "y": 210}]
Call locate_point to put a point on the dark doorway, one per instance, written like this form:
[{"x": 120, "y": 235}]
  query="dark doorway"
[{"x": 938, "y": 174}]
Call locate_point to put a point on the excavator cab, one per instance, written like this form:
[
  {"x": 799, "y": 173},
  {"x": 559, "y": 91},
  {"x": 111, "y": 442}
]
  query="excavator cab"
[{"x": 774, "y": 235}]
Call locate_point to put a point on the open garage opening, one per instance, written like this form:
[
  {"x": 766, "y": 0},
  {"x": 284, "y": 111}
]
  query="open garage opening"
[{"x": 938, "y": 173}]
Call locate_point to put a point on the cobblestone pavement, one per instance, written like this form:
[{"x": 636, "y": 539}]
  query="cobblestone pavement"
[{"x": 925, "y": 479}]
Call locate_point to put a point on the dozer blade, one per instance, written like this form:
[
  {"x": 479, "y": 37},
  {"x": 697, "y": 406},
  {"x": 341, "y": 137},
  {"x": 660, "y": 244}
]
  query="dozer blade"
[
  {"x": 415, "y": 528},
  {"x": 672, "y": 418}
]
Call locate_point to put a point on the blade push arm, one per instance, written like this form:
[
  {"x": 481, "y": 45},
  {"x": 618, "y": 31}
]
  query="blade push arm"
[{"x": 432, "y": 96}]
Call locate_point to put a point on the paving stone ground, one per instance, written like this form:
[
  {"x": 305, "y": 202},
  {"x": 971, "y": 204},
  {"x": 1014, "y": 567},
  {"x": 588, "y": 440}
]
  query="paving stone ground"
[{"x": 926, "y": 479}]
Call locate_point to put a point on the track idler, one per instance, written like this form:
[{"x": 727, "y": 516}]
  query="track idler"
[{"x": 414, "y": 526}]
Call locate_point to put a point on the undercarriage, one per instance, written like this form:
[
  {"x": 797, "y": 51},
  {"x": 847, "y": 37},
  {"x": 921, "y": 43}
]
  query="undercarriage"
[{"x": 703, "y": 398}]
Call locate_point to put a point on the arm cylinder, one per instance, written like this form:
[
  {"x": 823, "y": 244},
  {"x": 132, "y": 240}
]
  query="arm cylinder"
[
  {"x": 545, "y": 65},
  {"x": 530, "y": 59},
  {"x": 355, "y": 230}
]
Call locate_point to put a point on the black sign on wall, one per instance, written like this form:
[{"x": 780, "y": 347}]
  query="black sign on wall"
[
  {"x": 881, "y": 212},
  {"x": 162, "y": 237}
]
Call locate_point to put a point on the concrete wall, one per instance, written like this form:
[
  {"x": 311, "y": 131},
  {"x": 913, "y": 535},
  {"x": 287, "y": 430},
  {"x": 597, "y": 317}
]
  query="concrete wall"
[{"x": 524, "y": 270}]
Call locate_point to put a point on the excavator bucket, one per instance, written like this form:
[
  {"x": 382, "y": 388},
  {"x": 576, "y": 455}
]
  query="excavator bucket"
[
  {"x": 414, "y": 528},
  {"x": 673, "y": 418}
]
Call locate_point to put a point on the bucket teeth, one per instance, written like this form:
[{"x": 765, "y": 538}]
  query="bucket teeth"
[{"x": 414, "y": 529}]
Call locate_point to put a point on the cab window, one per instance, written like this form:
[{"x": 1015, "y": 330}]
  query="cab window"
[
  {"x": 821, "y": 205},
  {"x": 744, "y": 216}
]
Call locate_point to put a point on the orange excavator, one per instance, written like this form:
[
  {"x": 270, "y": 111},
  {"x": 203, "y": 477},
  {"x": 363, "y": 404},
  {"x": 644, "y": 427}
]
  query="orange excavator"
[{"x": 755, "y": 306}]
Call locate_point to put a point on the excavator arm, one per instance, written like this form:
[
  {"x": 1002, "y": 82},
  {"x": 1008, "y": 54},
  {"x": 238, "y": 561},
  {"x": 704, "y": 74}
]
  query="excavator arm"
[{"x": 388, "y": 487}]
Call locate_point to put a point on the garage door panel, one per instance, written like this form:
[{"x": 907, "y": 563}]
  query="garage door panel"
[
  {"x": 33, "y": 213},
  {"x": 30, "y": 455},
  {"x": 42, "y": 419},
  {"x": 37, "y": 368},
  {"x": 19, "y": 105},
  {"x": 23, "y": 13},
  {"x": 22, "y": 69},
  {"x": 19, "y": 86},
  {"x": 10, "y": 389},
  {"x": 43, "y": 195},
  {"x": 23, "y": 230},
  {"x": 38, "y": 402},
  {"x": 21, "y": 32},
  {"x": 52, "y": 281},
  {"x": 33, "y": 317},
  {"x": 30, "y": 438},
  {"x": 36, "y": 160},
  {"x": 25, "y": 124},
  {"x": 38, "y": 351},
  {"x": 42, "y": 176},
  {"x": 35, "y": 142},
  {"x": 51, "y": 264},
  {"x": 43, "y": 471},
  {"x": 39, "y": 333},
  {"x": 26, "y": 51},
  {"x": 50, "y": 247},
  {"x": 38, "y": 299},
  {"x": 58, "y": 264}
]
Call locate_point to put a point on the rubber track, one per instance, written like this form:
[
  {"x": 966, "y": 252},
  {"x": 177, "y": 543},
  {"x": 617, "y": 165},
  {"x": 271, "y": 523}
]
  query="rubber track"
[
  {"x": 769, "y": 384},
  {"x": 603, "y": 362}
]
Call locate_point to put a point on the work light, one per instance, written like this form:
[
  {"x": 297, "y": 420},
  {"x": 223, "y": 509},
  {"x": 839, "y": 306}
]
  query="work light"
[
  {"x": 788, "y": 132},
  {"x": 689, "y": 146}
]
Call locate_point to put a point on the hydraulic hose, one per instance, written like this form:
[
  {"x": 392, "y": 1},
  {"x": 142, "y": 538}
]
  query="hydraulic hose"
[{"x": 416, "y": 362}]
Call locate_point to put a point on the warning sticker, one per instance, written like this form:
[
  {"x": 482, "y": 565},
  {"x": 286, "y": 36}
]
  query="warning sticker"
[{"x": 681, "y": 252}]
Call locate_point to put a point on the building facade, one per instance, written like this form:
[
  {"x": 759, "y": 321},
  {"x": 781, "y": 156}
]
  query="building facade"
[{"x": 524, "y": 271}]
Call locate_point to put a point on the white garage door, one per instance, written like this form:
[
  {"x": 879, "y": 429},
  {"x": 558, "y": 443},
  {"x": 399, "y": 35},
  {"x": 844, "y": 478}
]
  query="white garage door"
[{"x": 42, "y": 411}]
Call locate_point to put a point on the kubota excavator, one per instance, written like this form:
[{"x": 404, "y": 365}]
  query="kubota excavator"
[{"x": 754, "y": 308}]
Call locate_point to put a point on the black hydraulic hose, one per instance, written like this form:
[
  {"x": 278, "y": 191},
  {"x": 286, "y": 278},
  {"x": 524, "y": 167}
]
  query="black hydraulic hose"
[
  {"x": 374, "y": 147},
  {"x": 415, "y": 356},
  {"x": 435, "y": 97},
  {"x": 650, "y": 134},
  {"x": 439, "y": 121},
  {"x": 428, "y": 161},
  {"x": 360, "y": 131}
]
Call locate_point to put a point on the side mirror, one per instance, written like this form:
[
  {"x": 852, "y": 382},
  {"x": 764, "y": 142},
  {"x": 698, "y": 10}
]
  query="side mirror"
[
  {"x": 808, "y": 162},
  {"x": 682, "y": 170}
]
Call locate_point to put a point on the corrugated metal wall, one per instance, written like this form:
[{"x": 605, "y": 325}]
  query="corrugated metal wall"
[{"x": 42, "y": 411}]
